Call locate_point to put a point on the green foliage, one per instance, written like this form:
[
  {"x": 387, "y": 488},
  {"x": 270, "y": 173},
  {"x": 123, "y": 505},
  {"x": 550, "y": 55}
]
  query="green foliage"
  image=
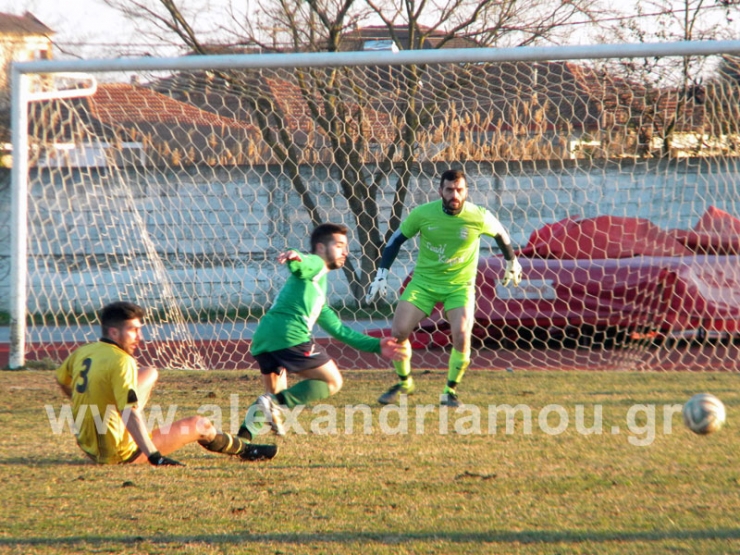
[
  {"x": 241, "y": 314},
  {"x": 381, "y": 310},
  {"x": 45, "y": 363},
  {"x": 389, "y": 493}
]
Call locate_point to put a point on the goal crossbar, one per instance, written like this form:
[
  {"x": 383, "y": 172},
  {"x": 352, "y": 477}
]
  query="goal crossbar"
[
  {"x": 323, "y": 59},
  {"x": 22, "y": 97}
]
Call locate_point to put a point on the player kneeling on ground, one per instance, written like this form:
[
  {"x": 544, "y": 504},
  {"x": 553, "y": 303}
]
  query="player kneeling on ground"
[
  {"x": 103, "y": 377},
  {"x": 283, "y": 337}
]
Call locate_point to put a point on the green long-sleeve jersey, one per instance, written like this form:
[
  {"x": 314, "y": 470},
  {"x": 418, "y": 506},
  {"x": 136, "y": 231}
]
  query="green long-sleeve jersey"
[
  {"x": 300, "y": 304},
  {"x": 449, "y": 246}
]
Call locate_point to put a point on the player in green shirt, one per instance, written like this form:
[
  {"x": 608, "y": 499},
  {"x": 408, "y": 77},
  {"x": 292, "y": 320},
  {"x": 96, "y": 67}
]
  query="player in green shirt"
[
  {"x": 449, "y": 232},
  {"x": 283, "y": 339}
]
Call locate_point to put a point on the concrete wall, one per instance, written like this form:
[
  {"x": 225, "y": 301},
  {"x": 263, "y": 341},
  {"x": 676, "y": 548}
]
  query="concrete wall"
[{"x": 217, "y": 230}]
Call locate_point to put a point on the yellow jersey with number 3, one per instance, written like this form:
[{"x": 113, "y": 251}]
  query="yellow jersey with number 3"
[{"x": 103, "y": 381}]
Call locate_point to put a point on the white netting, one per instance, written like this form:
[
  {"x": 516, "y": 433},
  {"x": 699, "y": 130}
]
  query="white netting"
[{"x": 178, "y": 190}]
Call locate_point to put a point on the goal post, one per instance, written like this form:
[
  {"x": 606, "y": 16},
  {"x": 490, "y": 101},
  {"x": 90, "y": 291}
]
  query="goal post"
[
  {"x": 18, "y": 219},
  {"x": 174, "y": 182},
  {"x": 23, "y": 93}
]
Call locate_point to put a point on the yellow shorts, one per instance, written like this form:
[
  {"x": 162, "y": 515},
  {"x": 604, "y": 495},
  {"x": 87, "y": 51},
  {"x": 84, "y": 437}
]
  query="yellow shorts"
[{"x": 425, "y": 296}]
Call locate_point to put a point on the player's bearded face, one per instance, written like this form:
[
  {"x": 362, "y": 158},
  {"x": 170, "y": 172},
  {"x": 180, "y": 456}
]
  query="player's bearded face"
[
  {"x": 128, "y": 335},
  {"x": 454, "y": 194},
  {"x": 335, "y": 252}
]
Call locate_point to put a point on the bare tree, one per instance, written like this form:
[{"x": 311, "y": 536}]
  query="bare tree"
[
  {"x": 723, "y": 103},
  {"x": 673, "y": 86},
  {"x": 338, "y": 102}
]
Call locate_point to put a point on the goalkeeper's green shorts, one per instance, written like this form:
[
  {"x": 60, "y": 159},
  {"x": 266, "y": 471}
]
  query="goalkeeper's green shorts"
[{"x": 425, "y": 296}]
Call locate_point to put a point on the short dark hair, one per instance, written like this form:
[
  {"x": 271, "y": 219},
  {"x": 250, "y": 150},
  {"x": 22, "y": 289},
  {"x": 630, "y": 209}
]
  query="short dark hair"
[
  {"x": 113, "y": 315},
  {"x": 451, "y": 176},
  {"x": 323, "y": 233}
]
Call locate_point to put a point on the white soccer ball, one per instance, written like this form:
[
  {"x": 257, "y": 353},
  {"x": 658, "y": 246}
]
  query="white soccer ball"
[{"x": 704, "y": 413}]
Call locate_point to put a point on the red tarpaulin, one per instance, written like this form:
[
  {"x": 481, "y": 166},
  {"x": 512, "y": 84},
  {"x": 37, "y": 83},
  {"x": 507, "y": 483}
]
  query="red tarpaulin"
[
  {"x": 612, "y": 272},
  {"x": 600, "y": 238},
  {"x": 717, "y": 232}
]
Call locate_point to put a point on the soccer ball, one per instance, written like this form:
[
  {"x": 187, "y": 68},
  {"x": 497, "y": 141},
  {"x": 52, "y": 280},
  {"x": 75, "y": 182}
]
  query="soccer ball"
[{"x": 704, "y": 413}]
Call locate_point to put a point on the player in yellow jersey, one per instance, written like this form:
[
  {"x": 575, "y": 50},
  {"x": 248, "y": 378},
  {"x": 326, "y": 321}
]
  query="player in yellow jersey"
[
  {"x": 106, "y": 385},
  {"x": 449, "y": 232}
]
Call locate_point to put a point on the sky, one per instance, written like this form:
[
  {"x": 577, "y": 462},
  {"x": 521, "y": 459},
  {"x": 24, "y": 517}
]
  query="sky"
[
  {"x": 78, "y": 22},
  {"x": 91, "y": 29},
  {"x": 70, "y": 16}
]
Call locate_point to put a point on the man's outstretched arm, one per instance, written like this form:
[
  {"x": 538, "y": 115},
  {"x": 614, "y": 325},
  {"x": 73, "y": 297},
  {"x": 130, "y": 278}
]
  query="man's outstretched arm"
[
  {"x": 379, "y": 286},
  {"x": 136, "y": 427},
  {"x": 513, "y": 271}
]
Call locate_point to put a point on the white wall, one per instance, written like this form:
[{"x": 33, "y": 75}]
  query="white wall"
[{"x": 243, "y": 216}]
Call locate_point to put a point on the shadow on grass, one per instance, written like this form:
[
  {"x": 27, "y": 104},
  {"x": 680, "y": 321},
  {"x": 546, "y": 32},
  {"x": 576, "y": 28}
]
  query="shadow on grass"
[
  {"x": 190, "y": 464},
  {"x": 495, "y": 536},
  {"x": 36, "y": 462}
]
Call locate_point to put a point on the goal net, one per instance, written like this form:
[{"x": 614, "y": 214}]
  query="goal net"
[{"x": 176, "y": 188}]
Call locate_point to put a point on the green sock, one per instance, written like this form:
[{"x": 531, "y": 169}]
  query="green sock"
[
  {"x": 459, "y": 362},
  {"x": 303, "y": 393}
]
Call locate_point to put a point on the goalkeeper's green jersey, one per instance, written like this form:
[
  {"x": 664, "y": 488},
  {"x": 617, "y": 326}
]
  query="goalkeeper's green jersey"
[
  {"x": 300, "y": 304},
  {"x": 449, "y": 245}
]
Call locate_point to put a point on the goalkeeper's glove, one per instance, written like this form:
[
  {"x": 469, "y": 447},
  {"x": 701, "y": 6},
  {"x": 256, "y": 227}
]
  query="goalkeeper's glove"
[
  {"x": 157, "y": 459},
  {"x": 378, "y": 287},
  {"x": 512, "y": 273}
]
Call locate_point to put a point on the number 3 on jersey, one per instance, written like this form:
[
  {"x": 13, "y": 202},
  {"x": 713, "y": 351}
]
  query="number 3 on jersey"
[{"x": 82, "y": 386}]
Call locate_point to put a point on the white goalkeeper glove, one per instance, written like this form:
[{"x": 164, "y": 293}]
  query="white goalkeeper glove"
[
  {"x": 378, "y": 287},
  {"x": 512, "y": 273}
]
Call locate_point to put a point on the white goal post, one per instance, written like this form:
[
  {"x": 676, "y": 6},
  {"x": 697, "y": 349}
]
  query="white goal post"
[{"x": 173, "y": 182}]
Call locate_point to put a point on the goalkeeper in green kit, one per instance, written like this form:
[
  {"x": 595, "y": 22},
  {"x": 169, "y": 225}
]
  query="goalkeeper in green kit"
[
  {"x": 449, "y": 229},
  {"x": 283, "y": 340}
]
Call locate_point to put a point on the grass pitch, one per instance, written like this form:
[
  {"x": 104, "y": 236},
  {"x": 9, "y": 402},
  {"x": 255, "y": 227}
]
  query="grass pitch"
[{"x": 351, "y": 478}]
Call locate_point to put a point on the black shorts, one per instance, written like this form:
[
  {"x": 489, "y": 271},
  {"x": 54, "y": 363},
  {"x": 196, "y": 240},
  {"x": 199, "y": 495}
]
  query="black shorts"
[{"x": 305, "y": 356}]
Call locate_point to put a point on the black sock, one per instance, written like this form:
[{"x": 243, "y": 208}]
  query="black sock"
[
  {"x": 244, "y": 433},
  {"x": 225, "y": 443}
]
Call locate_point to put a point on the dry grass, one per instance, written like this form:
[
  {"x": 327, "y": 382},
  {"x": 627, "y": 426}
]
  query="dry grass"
[{"x": 430, "y": 492}]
